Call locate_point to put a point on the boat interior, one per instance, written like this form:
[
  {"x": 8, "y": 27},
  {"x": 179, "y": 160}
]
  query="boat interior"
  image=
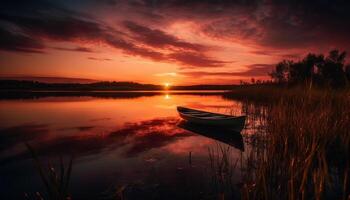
[{"x": 205, "y": 115}]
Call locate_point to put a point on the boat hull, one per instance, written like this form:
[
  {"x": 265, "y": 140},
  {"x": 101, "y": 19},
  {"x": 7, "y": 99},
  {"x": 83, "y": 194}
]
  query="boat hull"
[{"x": 212, "y": 119}]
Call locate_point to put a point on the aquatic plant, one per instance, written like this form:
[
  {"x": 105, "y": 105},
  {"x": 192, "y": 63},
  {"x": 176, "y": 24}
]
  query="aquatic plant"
[
  {"x": 56, "y": 182},
  {"x": 302, "y": 152}
]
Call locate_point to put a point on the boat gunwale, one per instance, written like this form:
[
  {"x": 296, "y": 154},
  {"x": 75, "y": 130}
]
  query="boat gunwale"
[{"x": 227, "y": 117}]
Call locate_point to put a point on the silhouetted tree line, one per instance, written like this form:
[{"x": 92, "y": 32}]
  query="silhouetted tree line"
[
  {"x": 103, "y": 86},
  {"x": 35, "y": 85},
  {"x": 314, "y": 69},
  {"x": 255, "y": 82}
]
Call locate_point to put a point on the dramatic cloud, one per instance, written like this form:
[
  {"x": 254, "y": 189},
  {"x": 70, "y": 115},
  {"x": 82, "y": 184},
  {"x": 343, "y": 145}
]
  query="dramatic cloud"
[
  {"x": 167, "y": 74},
  {"x": 99, "y": 59},
  {"x": 19, "y": 42},
  {"x": 27, "y": 32},
  {"x": 180, "y": 32},
  {"x": 284, "y": 25},
  {"x": 78, "y": 49},
  {"x": 159, "y": 39},
  {"x": 70, "y": 26},
  {"x": 189, "y": 60},
  {"x": 48, "y": 79},
  {"x": 275, "y": 53},
  {"x": 253, "y": 70},
  {"x": 132, "y": 49}
]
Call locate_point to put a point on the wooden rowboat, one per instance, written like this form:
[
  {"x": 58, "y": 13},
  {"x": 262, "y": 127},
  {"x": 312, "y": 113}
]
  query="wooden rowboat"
[{"x": 211, "y": 119}]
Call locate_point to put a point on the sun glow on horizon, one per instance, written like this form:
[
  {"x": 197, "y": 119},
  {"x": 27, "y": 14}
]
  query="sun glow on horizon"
[{"x": 167, "y": 85}]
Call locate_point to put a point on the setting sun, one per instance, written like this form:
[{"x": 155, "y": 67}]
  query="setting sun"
[{"x": 166, "y": 85}]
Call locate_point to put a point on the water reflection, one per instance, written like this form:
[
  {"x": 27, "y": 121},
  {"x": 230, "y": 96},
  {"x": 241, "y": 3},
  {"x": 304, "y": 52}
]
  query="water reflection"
[
  {"x": 5, "y": 95},
  {"x": 12, "y": 136},
  {"x": 133, "y": 138},
  {"x": 167, "y": 96},
  {"x": 114, "y": 140},
  {"x": 228, "y": 136}
]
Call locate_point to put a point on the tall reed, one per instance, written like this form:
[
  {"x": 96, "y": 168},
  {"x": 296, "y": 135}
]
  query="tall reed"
[
  {"x": 302, "y": 151},
  {"x": 56, "y": 182},
  {"x": 221, "y": 171}
]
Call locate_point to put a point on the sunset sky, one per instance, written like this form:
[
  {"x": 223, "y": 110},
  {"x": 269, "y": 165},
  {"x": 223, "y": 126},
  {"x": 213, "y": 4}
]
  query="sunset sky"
[{"x": 165, "y": 41}]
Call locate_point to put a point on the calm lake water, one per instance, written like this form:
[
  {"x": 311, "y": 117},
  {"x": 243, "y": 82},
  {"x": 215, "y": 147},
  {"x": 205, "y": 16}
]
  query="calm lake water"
[{"x": 115, "y": 141}]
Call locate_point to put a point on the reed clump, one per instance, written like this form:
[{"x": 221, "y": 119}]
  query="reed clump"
[
  {"x": 303, "y": 150},
  {"x": 222, "y": 172},
  {"x": 56, "y": 182},
  {"x": 267, "y": 94}
]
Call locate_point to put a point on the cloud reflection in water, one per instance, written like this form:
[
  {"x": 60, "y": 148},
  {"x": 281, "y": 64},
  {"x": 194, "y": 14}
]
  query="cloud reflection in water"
[{"x": 133, "y": 138}]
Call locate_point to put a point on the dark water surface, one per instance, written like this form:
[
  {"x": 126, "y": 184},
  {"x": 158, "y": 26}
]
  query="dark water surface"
[{"x": 115, "y": 141}]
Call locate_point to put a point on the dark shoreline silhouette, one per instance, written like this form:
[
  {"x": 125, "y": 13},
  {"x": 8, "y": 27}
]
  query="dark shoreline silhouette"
[
  {"x": 100, "y": 86},
  {"x": 27, "y": 94},
  {"x": 21, "y": 89}
]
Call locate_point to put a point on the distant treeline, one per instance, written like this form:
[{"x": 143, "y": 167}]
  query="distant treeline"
[
  {"x": 313, "y": 69},
  {"x": 98, "y": 86},
  {"x": 35, "y": 85}
]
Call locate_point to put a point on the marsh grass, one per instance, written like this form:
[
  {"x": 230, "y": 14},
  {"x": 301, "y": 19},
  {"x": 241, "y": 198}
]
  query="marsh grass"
[
  {"x": 221, "y": 171},
  {"x": 258, "y": 93},
  {"x": 56, "y": 182},
  {"x": 268, "y": 94},
  {"x": 303, "y": 148}
]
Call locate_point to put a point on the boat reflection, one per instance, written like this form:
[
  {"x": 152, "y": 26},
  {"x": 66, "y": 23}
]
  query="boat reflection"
[{"x": 225, "y": 135}]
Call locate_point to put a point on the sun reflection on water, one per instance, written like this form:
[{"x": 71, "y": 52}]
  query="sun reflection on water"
[{"x": 167, "y": 96}]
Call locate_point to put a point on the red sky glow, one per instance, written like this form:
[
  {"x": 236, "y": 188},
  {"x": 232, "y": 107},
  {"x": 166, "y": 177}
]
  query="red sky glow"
[{"x": 177, "y": 42}]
